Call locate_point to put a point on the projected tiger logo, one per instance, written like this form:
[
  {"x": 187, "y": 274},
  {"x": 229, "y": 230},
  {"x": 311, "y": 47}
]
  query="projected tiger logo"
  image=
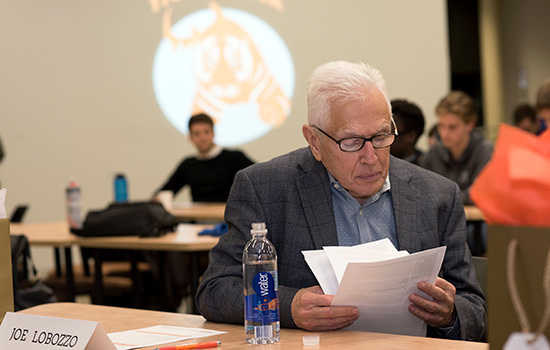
[{"x": 233, "y": 72}]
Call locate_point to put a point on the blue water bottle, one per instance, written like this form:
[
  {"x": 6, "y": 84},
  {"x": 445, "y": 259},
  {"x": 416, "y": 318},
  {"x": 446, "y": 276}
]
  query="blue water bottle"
[
  {"x": 121, "y": 188},
  {"x": 261, "y": 288}
]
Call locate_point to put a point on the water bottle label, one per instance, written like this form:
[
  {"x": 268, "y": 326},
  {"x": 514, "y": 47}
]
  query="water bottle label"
[{"x": 263, "y": 305}]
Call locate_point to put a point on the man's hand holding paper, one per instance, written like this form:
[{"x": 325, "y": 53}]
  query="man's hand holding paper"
[
  {"x": 312, "y": 310},
  {"x": 439, "y": 310}
]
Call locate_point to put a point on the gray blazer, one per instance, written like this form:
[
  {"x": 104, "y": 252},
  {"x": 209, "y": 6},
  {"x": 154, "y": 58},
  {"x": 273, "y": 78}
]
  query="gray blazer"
[{"x": 291, "y": 194}]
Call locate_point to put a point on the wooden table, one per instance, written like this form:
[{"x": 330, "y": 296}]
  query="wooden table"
[
  {"x": 114, "y": 319},
  {"x": 473, "y": 213},
  {"x": 198, "y": 211},
  {"x": 185, "y": 239}
]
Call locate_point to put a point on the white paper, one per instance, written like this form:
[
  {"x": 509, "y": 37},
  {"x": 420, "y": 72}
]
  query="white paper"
[
  {"x": 155, "y": 335},
  {"x": 381, "y": 291},
  {"x": 3, "y": 213},
  {"x": 328, "y": 265},
  {"x": 379, "y": 250},
  {"x": 320, "y": 266}
]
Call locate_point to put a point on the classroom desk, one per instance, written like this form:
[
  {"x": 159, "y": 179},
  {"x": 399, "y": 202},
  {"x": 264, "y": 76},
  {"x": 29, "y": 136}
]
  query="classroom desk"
[
  {"x": 198, "y": 211},
  {"x": 114, "y": 319},
  {"x": 185, "y": 239},
  {"x": 473, "y": 213}
]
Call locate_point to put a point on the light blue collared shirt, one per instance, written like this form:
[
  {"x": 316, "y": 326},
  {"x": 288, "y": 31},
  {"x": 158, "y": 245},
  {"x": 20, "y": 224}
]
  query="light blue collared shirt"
[{"x": 369, "y": 222}]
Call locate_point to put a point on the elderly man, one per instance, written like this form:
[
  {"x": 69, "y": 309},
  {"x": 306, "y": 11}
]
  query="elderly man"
[{"x": 345, "y": 189}]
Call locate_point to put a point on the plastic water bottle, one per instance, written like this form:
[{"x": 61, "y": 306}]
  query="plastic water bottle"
[
  {"x": 74, "y": 207},
  {"x": 121, "y": 188},
  {"x": 261, "y": 296}
]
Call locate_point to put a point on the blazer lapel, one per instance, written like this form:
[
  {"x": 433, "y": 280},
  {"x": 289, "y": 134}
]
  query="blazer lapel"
[
  {"x": 316, "y": 200},
  {"x": 407, "y": 213}
]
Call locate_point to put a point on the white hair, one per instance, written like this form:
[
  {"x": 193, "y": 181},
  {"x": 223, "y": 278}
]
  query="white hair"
[{"x": 334, "y": 83}]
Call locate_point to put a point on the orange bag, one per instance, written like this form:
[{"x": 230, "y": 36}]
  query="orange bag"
[{"x": 514, "y": 187}]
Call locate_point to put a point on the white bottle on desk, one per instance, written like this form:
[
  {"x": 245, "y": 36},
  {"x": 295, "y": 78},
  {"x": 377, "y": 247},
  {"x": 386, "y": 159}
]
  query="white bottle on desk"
[
  {"x": 74, "y": 207},
  {"x": 261, "y": 298}
]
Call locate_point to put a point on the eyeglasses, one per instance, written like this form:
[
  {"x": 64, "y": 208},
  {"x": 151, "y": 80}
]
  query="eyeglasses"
[{"x": 354, "y": 144}]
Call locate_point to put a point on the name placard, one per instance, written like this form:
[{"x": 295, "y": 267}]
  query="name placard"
[{"x": 32, "y": 332}]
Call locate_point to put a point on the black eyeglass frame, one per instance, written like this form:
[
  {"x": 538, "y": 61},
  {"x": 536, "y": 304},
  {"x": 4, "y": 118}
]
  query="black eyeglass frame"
[{"x": 365, "y": 139}]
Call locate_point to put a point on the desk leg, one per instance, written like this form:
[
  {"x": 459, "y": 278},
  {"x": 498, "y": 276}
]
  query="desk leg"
[
  {"x": 69, "y": 275},
  {"x": 98, "y": 279},
  {"x": 163, "y": 282},
  {"x": 58, "y": 271},
  {"x": 478, "y": 238},
  {"x": 194, "y": 279},
  {"x": 136, "y": 280}
]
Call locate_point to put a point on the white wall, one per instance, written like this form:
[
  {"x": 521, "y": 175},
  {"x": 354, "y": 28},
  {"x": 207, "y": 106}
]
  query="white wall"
[{"x": 77, "y": 99}]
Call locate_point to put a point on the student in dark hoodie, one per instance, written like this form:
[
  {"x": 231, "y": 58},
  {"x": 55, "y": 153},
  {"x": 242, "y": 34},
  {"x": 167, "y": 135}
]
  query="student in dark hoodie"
[{"x": 462, "y": 151}]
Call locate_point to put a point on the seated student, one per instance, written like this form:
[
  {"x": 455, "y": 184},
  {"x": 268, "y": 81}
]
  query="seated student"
[
  {"x": 409, "y": 120},
  {"x": 462, "y": 151},
  {"x": 525, "y": 117},
  {"x": 210, "y": 173},
  {"x": 345, "y": 189}
]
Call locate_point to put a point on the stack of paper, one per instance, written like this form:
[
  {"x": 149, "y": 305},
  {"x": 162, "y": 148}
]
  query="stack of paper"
[{"x": 377, "y": 279}]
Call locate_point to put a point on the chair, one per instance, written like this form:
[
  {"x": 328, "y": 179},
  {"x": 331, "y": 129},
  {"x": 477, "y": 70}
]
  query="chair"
[
  {"x": 480, "y": 265},
  {"x": 28, "y": 289},
  {"x": 117, "y": 279}
]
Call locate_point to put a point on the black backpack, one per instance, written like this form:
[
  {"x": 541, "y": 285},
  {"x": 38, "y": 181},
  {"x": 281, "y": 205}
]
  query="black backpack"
[
  {"x": 144, "y": 219},
  {"x": 28, "y": 288}
]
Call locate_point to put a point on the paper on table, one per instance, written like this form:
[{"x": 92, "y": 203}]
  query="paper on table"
[
  {"x": 381, "y": 289},
  {"x": 155, "y": 335}
]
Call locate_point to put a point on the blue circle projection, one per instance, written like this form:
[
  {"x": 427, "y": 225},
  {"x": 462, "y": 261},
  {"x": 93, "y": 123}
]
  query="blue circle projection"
[{"x": 229, "y": 64}]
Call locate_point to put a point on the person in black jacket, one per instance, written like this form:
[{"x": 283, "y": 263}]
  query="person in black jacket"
[{"x": 211, "y": 171}]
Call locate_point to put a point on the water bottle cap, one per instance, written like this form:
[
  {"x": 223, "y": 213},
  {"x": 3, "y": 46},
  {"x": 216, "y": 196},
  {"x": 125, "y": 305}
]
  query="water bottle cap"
[
  {"x": 310, "y": 340},
  {"x": 258, "y": 227}
]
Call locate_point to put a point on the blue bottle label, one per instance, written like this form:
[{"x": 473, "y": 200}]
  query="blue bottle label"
[{"x": 263, "y": 305}]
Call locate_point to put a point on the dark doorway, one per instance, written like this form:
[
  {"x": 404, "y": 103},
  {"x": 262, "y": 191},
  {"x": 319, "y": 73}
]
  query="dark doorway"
[{"x": 464, "y": 49}]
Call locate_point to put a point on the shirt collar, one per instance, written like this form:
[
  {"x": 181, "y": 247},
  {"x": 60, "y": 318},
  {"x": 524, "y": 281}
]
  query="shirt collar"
[
  {"x": 213, "y": 153},
  {"x": 385, "y": 188}
]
